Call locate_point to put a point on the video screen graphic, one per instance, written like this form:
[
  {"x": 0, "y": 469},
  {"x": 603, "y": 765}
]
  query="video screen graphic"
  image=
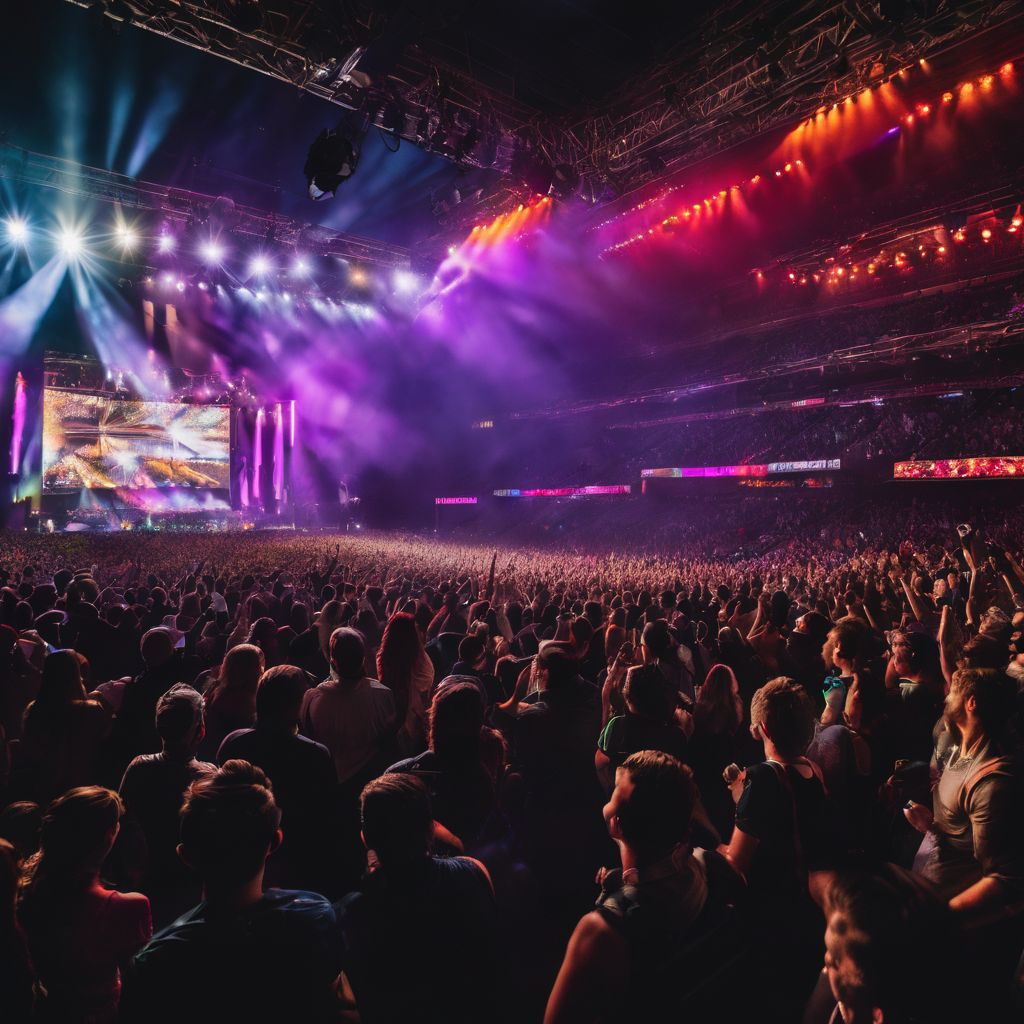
[
  {"x": 985, "y": 466},
  {"x": 99, "y": 442}
]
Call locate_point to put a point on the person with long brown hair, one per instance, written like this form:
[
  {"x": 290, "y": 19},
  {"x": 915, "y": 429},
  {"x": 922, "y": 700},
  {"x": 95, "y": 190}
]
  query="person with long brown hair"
[
  {"x": 63, "y": 729},
  {"x": 404, "y": 666},
  {"x": 81, "y": 934},
  {"x": 717, "y": 717},
  {"x": 231, "y": 698}
]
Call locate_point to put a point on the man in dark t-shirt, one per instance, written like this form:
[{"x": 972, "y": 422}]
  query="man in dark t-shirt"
[
  {"x": 243, "y": 953},
  {"x": 300, "y": 770},
  {"x": 440, "y": 909},
  {"x": 647, "y": 724},
  {"x": 153, "y": 789}
]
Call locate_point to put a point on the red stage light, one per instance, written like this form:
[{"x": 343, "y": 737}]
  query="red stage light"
[
  {"x": 840, "y": 271},
  {"x": 1007, "y": 68},
  {"x": 788, "y": 168},
  {"x": 941, "y": 250},
  {"x": 1017, "y": 220},
  {"x": 924, "y": 110},
  {"x": 778, "y": 174},
  {"x": 986, "y": 81},
  {"x": 792, "y": 276},
  {"x": 966, "y": 89},
  {"x": 947, "y": 97},
  {"x": 909, "y": 119},
  {"x": 986, "y": 234},
  {"x": 755, "y": 179}
]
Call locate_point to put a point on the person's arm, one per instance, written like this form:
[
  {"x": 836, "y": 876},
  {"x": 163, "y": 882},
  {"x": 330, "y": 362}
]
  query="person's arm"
[
  {"x": 915, "y": 605},
  {"x": 740, "y": 850},
  {"x": 993, "y": 805},
  {"x": 592, "y": 976},
  {"x": 972, "y": 601},
  {"x": 947, "y": 644}
]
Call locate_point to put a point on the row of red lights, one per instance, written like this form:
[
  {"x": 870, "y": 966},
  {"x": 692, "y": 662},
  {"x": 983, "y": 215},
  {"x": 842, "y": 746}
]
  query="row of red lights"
[
  {"x": 922, "y": 110},
  {"x": 696, "y": 209},
  {"x": 900, "y": 261}
]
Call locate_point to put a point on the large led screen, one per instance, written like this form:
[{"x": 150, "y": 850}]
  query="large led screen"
[{"x": 98, "y": 441}]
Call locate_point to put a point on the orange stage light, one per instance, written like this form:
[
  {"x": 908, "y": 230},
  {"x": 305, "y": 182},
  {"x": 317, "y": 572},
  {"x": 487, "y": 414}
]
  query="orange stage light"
[
  {"x": 986, "y": 234},
  {"x": 1007, "y": 68},
  {"x": 947, "y": 97}
]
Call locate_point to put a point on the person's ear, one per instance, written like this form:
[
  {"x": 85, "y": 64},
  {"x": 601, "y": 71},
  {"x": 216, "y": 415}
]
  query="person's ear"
[
  {"x": 971, "y": 705},
  {"x": 755, "y": 732},
  {"x": 183, "y": 856},
  {"x": 275, "y": 841}
]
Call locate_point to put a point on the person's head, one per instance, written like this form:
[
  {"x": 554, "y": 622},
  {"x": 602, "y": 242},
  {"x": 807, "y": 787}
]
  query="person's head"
[
  {"x": 719, "y": 707},
  {"x": 656, "y": 641},
  {"x": 240, "y": 670},
  {"x": 915, "y": 655},
  {"x": 397, "y": 820},
  {"x": 400, "y": 648},
  {"x": 473, "y": 651},
  {"x": 556, "y": 667},
  {"x": 179, "y": 719},
  {"x": 230, "y": 824},
  {"x": 348, "y": 653},
  {"x": 454, "y": 721},
  {"x": 651, "y": 806},
  {"x": 813, "y": 625},
  {"x": 20, "y": 824},
  {"x": 62, "y": 679},
  {"x": 77, "y": 832},
  {"x": 279, "y": 697},
  {"x": 846, "y": 644},
  {"x": 953, "y": 580},
  {"x": 995, "y": 623},
  {"x": 646, "y": 694},
  {"x": 157, "y": 647},
  {"x": 884, "y": 928},
  {"x": 581, "y": 632},
  {"x": 781, "y": 714},
  {"x": 330, "y": 619},
  {"x": 980, "y": 697}
]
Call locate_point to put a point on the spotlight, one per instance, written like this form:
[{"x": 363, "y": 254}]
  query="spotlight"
[
  {"x": 331, "y": 161},
  {"x": 212, "y": 252},
  {"x": 180, "y": 286},
  {"x": 165, "y": 243},
  {"x": 947, "y": 97},
  {"x": 300, "y": 267},
  {"x": 69, "y": 242},
  {"x": 406, "y": 282},
  {"x": 127, "y": 237},
  {"x": 17, "y": 230},
  {"x": 1007, "y": 68},
  {"x": 260, "y": 265},
  {"x": 357, "y": 276},
  {"x": 986, "y": 233}
]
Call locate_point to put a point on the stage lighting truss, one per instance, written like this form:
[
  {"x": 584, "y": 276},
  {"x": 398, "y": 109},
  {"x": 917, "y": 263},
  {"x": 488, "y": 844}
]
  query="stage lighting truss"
[
  {"x": 170, "y": 213},
  {"x": 743, "y": 70}
]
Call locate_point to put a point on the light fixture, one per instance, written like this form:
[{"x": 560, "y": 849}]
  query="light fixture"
[
  {"x": 300, "y": 267},
  {"x": 212, "y": 252},
  {"x": 260, "y": 265},
  {"x": 127, "y": 237},
  {"x": 16, "y": 230},
  {"x": 165, "y": 243},
  {"x": 70, "y": 243}
]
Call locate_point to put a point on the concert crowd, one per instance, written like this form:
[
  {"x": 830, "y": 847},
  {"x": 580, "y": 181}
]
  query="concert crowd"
[{"x": 391, "y": 778}]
